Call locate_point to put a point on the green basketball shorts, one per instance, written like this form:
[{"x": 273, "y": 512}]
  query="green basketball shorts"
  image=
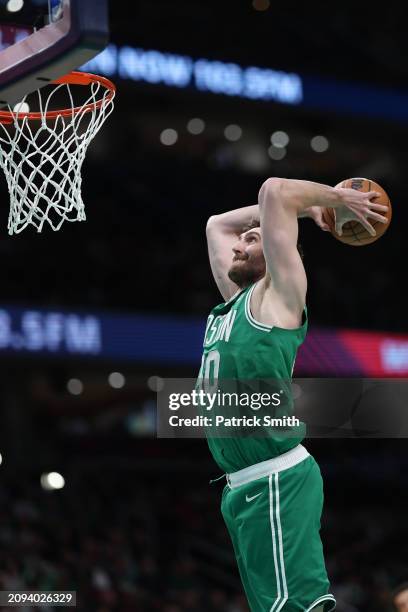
[{"x": 272, "y": 511}]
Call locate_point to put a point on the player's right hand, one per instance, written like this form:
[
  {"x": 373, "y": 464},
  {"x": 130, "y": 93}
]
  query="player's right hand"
[
  {"x": 316, "y": 213},
  {"x": 358, "y": 206}
]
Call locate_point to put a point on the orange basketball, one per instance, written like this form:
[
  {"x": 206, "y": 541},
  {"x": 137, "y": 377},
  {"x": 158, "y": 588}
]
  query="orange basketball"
[{"x": 353, "y": 232}]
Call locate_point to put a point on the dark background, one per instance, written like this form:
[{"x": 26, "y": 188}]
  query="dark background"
[{"x": 137, "y": 527}]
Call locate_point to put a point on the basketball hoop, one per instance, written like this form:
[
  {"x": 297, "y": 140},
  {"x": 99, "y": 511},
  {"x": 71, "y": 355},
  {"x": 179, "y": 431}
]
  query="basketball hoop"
[{"x": 42, "y": 152}]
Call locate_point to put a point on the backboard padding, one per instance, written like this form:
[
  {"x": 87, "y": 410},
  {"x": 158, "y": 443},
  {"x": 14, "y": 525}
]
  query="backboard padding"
[{"x": 54, "y": 50}]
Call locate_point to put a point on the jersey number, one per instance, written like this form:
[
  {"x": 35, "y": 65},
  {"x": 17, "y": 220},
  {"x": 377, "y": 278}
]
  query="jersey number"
[{"x": 209, "y": 370}]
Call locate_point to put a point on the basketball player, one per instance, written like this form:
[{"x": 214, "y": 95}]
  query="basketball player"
[{"x": 272, "y": 501}]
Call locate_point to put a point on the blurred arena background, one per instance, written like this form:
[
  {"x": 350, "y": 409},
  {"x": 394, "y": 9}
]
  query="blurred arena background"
[{"x": 212, "y": 99}]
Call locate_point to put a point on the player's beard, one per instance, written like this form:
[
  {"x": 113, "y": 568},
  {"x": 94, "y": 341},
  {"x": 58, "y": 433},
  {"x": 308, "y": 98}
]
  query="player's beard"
[{"x": 245, "y": 273}]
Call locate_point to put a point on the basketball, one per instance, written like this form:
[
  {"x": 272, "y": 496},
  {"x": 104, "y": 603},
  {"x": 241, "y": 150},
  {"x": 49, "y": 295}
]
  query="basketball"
[{"x": 353, "y": 232}]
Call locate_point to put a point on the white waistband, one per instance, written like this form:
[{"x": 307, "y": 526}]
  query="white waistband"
[{"x": 259, "y": 470}]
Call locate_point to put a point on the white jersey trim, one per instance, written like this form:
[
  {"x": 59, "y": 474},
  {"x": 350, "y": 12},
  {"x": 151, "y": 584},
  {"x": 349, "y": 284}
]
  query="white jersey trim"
[
  {"x": 319, "y": 600},
  {"x": 264, "y": 468},
  {"x": 233, "y": 296},
  {"x": 274, "y": 510},
  {"x": 250, "y": 318}
]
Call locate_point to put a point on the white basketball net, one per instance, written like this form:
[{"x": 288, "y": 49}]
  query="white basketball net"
[{"x": 42, "y": 159}]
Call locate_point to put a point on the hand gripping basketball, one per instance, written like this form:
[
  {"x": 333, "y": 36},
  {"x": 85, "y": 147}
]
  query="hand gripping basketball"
[
  {"x": 365, "y": 215},
  {"x": 358, "y": 206}
]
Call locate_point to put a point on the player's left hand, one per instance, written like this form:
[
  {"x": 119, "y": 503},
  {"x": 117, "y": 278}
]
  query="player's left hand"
[{"x": 316, "y": 213}]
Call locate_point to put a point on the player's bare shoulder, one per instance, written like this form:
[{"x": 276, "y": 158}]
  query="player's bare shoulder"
[{"x": 269, "y": 306}]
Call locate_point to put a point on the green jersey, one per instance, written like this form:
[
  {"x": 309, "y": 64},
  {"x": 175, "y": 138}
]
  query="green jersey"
[{"x": 237, "y": 347}]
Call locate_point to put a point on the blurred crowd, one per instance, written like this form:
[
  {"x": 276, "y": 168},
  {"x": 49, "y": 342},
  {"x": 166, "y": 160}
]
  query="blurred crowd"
[
  {"x": 152, "y": 539},
  {"x": 121, "y": 542}
]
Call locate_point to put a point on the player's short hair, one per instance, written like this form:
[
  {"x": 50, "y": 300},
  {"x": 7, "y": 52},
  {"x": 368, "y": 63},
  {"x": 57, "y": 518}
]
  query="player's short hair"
[
  {"x": 255, "y": 223},
  {"x": 251, "y": 225},
  {"x": 399, "y": 589}
]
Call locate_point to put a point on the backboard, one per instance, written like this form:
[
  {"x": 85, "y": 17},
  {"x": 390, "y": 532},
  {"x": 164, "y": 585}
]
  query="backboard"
[{"x": 42, "y": 40}]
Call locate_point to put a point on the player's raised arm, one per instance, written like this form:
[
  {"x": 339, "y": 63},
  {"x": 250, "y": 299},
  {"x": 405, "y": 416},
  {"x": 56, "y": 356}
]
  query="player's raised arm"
[
  {"x": 281, "y": 202},
  {"x": 222, "y": 233}
]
